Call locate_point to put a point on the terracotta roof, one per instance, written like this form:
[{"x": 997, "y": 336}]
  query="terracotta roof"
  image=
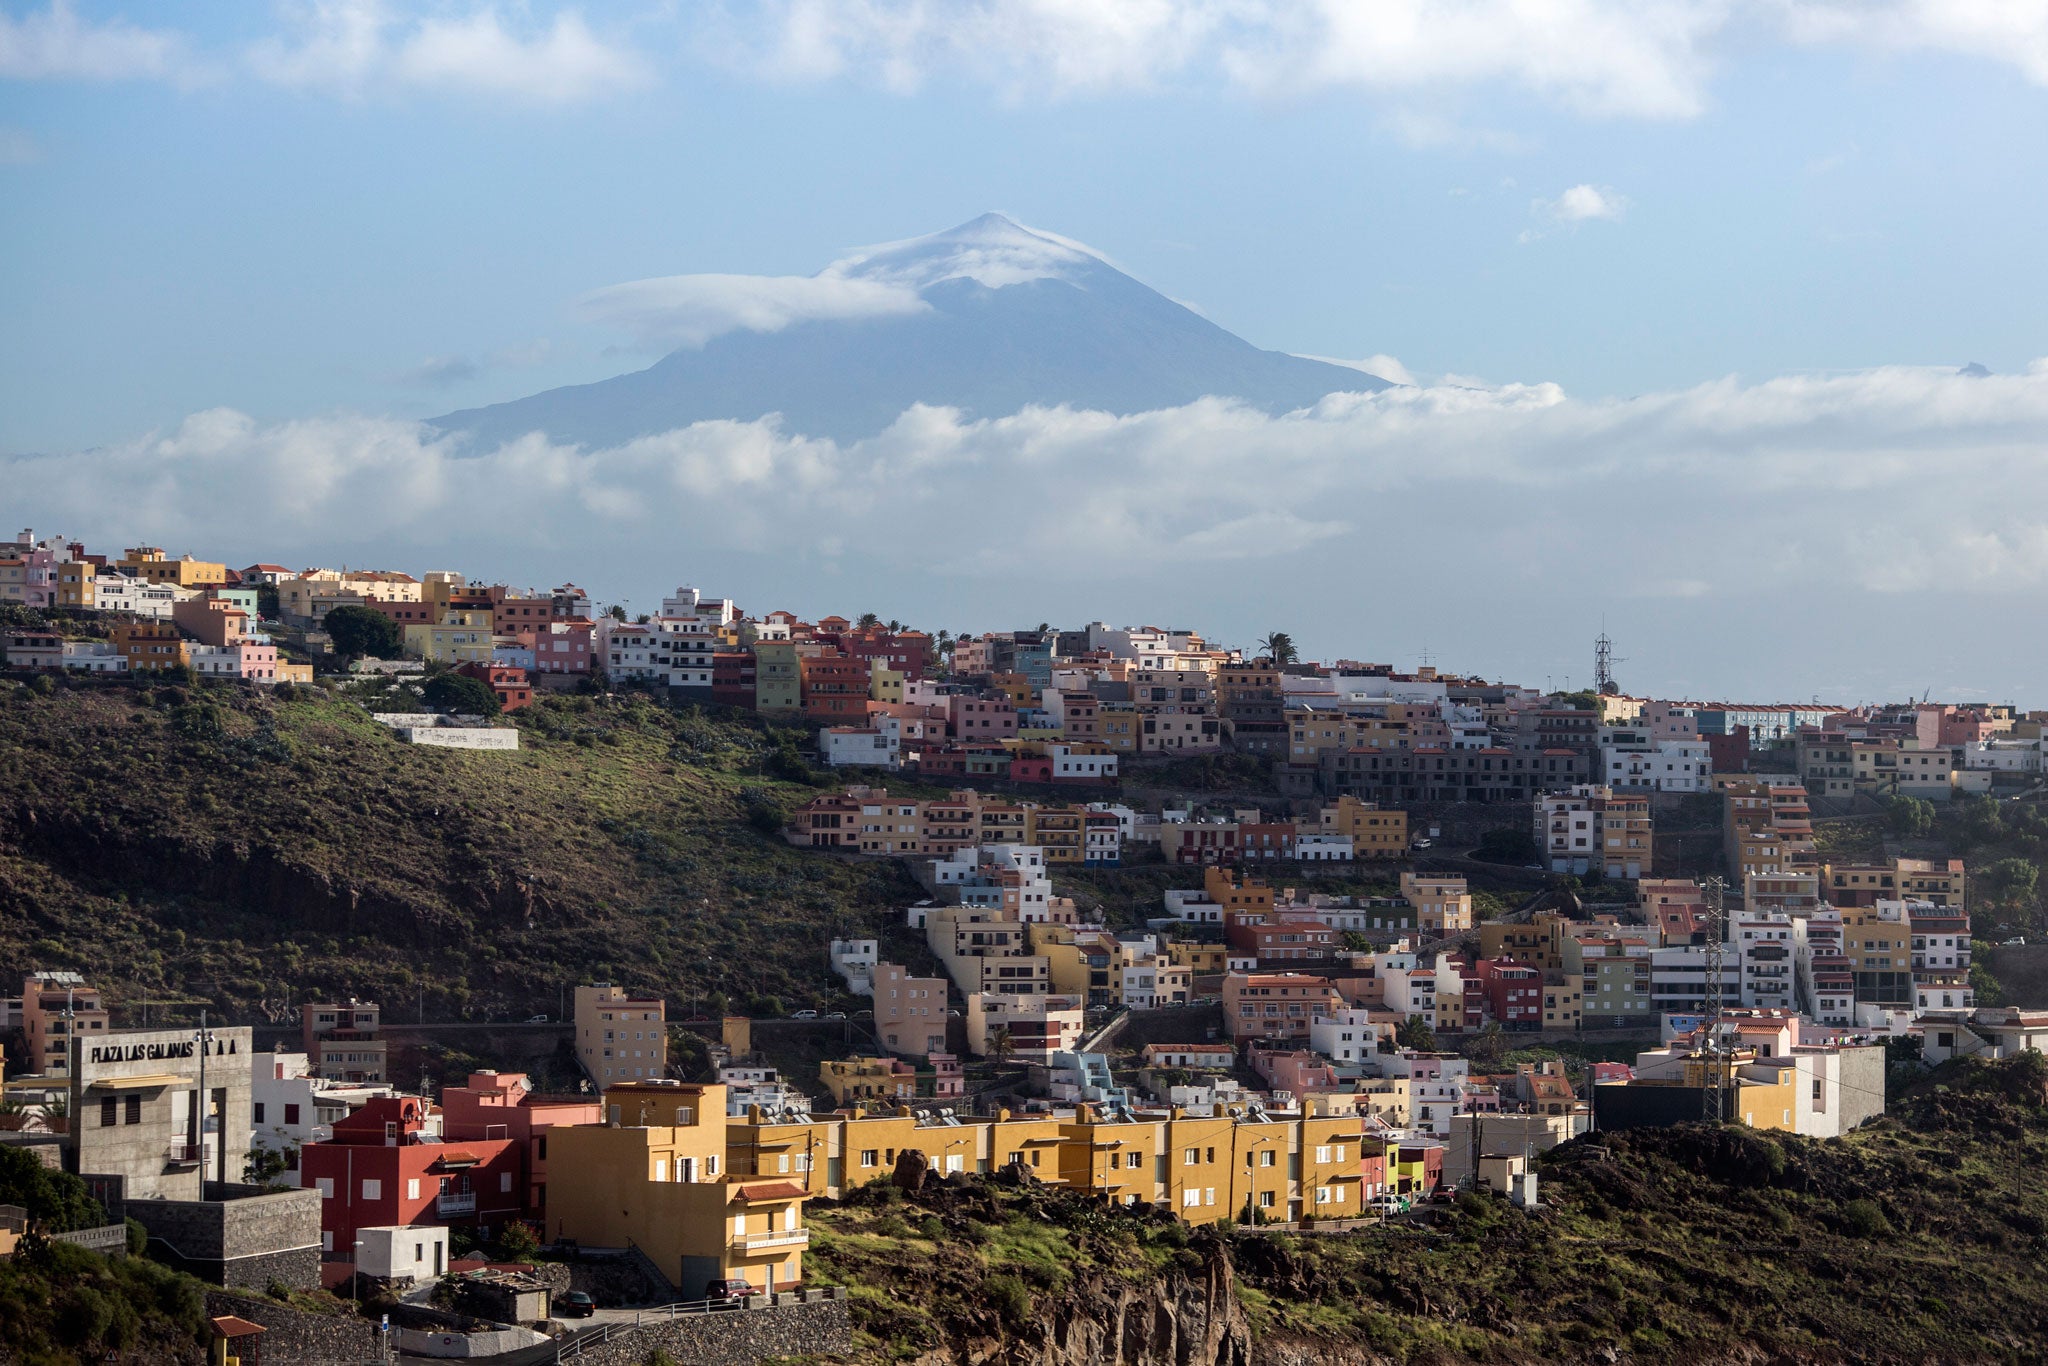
[
  {"x": 773, "y": 1190},
  {"x": 228, "y": 1326}
]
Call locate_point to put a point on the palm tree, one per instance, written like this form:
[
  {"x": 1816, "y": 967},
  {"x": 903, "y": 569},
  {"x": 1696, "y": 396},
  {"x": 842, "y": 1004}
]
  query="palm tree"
[
  {"x": 868, "y": 621},
  {"x": 999, "y": 1043},
  {"x": 1279, "y": 647},
  {"x": 895, "y": 625}
]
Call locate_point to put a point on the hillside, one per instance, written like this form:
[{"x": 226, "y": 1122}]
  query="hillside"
[
  {"x": 1915, "y": 1240},
  {"x": 210, "y": 845}
]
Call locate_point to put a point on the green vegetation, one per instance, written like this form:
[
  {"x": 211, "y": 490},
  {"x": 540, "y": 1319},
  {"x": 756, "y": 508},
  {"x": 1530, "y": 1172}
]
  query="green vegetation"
[
  {"x": 1916, "y": 1239},
  {"x": 61, "y": 1304},
  {"x": 359, "y": 631},
  {"x": 211, "y": 845},
  {"x": 461, "y": 694},
  {"x": 56, "y": 1201}
]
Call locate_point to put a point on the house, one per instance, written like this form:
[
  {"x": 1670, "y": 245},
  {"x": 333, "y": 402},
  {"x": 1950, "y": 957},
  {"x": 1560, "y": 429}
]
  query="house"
[
  {"x": 910, "y": 1012},
  {"x": 504, "y": 1105},
  {"x": 34, "y": 649},
  {"x": 341, "y": 1041},
  {"x": 514, "y": 690},
  {"x": 1276, "y": 1005},
  {"x": 385, "y": 1166},
  {"x": 852, "y": 1081}
]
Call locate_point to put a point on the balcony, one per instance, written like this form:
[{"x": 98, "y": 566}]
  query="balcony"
[
  {"x": 747, "y": 1243},
  {"x": 185, "y": 1154},
  {"x": 455, "y": 1203}
]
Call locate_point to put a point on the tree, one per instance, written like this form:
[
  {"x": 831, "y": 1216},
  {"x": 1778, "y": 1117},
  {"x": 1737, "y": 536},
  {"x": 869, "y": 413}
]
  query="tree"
[
  {"x": 1044, "y": 628},
  {"x": 462, "y": 694},
  {"x": 264, "y": 1166},
  {"x": 55, "y": 1199},
  {"x": 1910, "y": 817},
  {"x": 359, "y": 633},
  {"x": 1415, "y": 1033},
  {"x": 2010, "y": 882},
  {"x": 868, "y": 621},
  {"x": 616, "y": 612},
  {"x": 1000, "y": 1044},
  {"x": 1278, "y": 646},
  {"x": 1491, "y": 1045}
]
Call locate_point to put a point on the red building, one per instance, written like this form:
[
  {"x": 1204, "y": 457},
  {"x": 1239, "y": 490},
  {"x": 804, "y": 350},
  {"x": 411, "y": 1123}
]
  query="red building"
[
  {"x": 1282, "y": 939},
  {"x": 386, "y": 1166},
  {"x": 732, "y": 678},
  {"x": 406, "y": 614},
  {"x": 1431, "y": 1158},
  {"x": 835, "y": 689},
  {"x": 1514, "y": 992},
  {"x": 512, "y": 686},
  {"x": 1031, "y": 768},
  {"x": 907, "y": 652},
  {"x": 501, "y": 1105},
  {"x": 1268, "y": 840}
]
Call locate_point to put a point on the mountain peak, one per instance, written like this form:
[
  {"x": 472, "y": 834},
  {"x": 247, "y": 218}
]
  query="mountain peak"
[
  {"x": 994, "y": 251},
  {"x": 988, "y": 318}
]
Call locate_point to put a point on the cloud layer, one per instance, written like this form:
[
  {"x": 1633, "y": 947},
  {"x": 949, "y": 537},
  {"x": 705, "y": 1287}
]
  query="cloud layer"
[
  {"x": 689, "y": 310},
  {"x": 1766, "y": 503},
  {"x": 1632, "y": 58}
]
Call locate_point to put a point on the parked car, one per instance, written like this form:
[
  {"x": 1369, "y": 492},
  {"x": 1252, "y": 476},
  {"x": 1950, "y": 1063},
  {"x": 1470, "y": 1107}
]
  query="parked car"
[
  {"x": 575, "y": 1305},
  {"x": 2017, "y": 939},
  {"x": 727, "y": 1294},
  {"x": 805, "y": 1015},
  {"x": 836, "y": 1015},
  {"x": 536, "y": 1019},
  {"x": 1386, "y": 1204}
]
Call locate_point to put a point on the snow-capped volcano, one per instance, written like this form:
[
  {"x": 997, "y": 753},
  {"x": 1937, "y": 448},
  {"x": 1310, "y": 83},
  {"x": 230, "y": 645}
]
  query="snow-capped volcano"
[{"x": 988, "y": 317}]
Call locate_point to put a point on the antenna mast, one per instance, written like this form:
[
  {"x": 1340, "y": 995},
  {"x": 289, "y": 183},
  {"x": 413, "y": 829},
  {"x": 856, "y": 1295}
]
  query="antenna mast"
[
  {"x": 1713, "y": 1104},
  {"x": 1603, "y": 667}
]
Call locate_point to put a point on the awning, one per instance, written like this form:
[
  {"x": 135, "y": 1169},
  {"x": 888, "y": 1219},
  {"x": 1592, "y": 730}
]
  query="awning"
[
  {"x": 155, "y": 1081},
  {"x": 228, "y": 1326},
  {"x": 774, "y": 1190},
  {"x": 458, "y": 1158}
]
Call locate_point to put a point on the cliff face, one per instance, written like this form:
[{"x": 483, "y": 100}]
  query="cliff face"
[{"x": 1180, "y": 1319}]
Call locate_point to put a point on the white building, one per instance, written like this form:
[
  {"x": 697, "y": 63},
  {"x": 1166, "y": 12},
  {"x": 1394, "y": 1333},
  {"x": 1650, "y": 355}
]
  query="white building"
[
  {"x": 630, "y": 651},
  {"x": 859, "y": 747},
  {"x": 289, "y": 1107},
  {"x": 1323, "y": 848},
  {"x": 746, "y": 1087},
  {"x": 854, "y": 960},
  {"x": 1414, "y": 993},
  {"x": 1634, "y": 760},
  {"x": 1678, "y": 978},
  {"x": 403, "y": 1252},
  {"x": 1765, "y": 941},
  {"x": 1348, "y": 1038},
  {"x": 1072, "y": 765},
  {"x": 94, "y": 656}
]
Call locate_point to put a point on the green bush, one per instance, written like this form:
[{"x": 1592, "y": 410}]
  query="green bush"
[
  {"x": 1865, "y": 1220},
  {"x": 1010, "y": 1298}
]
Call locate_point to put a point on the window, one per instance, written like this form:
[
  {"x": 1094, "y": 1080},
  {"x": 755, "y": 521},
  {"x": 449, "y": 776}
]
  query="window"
[
  {"x": 132, "y": 1110},
  {"x": 373, "y": 1189},
  {"x": 1192, "y": 1156},
  {"x": 107, "y": 1113},
  {"x": 291, "y": 1114},
  {"x": 412, "y": 1188},
  {"x": 504, "y": 1183},
  {"x": 325, "y": 1185},
  {"x": 256, "y": 1112},
  {"x": 1191, "y": 1199}
]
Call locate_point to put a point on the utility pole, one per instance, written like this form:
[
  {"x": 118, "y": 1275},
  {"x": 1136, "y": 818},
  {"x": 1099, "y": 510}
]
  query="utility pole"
[{"x": 1713, "y": 1103}]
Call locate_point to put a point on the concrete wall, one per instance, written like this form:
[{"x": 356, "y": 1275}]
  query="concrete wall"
[
  {"x": 1863, "y": 1095},
  {"x": 462, "y": 737},
  {"x": 417, "y": 1343},
  {"x": 734, "y": 1338}
]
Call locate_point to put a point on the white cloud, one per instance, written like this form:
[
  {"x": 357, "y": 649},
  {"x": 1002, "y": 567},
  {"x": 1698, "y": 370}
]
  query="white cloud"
[
  {"x": 1737, "y": 472},
  {"x": 2013, "y": 32},
  {"x": 55, "y": 44},
  {"x": 1388, "y": 368},
  {"x": 689, "y": 310},
  {"x": 1579, "y": 204},
  {"x": 439, "y": 372},
  {"x": 353, "y": 47}
]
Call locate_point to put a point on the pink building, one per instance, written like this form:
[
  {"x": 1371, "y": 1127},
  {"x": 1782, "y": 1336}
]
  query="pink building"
[
  {"x": 981, "y": 718},
  {"x": 562, "y": 647},
  {"x": 1296, "y": 1071},
  {"x": 503, "y": 1105}
]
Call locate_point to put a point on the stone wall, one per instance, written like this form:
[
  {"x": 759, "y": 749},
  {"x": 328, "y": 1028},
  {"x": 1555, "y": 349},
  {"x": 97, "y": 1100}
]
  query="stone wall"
[
  {"x": 733, "y": 1338},
  {"x": 462, "y": 737},
  {"x": 611, "y": 1281},
  {"x": 293, "y": 1337},
  {"x": 247, "y": 1239}
]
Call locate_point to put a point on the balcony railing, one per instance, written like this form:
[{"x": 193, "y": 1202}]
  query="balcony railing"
[
  {"x": 455, "y": 1203},
  {"x": 185, "y": 1153},
  {"x": 762, "y": 1242}
]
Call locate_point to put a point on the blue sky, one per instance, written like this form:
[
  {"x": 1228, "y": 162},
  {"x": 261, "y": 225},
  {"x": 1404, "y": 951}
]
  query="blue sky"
[{"x": 299, "y": 211}]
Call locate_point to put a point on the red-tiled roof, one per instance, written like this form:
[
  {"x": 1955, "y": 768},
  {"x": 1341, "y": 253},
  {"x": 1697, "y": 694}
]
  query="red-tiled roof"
[{"x": 773, "y": 1190}]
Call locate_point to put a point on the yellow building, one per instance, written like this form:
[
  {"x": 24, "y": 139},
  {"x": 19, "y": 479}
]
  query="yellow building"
[
  {"x": 853, "y": 1080},
  {"x": 1375, "y": 834},
  {"x": 75, "y": 583},
  {"x": 1200, "y": 959},
  {"x": 1119, "y": 727},
  {"x": 655, "y": 1176},
  {"x": 149, "y": 563},
  {"x": 884, "y": 683},
  {"x": 1442, "y": 902},
  {"x": 460, "y": 637}
]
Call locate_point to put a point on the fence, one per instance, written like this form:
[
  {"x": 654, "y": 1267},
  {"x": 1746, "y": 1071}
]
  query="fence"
[{"x": 109, "y": 1240}]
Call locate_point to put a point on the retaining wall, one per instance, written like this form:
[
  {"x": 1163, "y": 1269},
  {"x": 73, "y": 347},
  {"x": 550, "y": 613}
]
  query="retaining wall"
[
  {"x": 735, "y": 1338},
  {"x": 293, "y": 1337}
]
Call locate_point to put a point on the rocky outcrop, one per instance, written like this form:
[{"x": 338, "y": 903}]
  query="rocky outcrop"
[{"x": 1189, "y": 1316}]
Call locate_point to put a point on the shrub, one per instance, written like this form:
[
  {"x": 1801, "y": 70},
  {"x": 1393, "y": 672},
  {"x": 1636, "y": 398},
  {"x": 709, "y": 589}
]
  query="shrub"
[
  {"x": 1010, "y": 1298},
  {"x": 1865, "y": 1220}
]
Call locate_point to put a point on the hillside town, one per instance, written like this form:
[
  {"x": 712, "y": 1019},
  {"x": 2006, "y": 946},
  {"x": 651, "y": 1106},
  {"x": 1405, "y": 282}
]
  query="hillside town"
[{"x": 1395, "y": 933}]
